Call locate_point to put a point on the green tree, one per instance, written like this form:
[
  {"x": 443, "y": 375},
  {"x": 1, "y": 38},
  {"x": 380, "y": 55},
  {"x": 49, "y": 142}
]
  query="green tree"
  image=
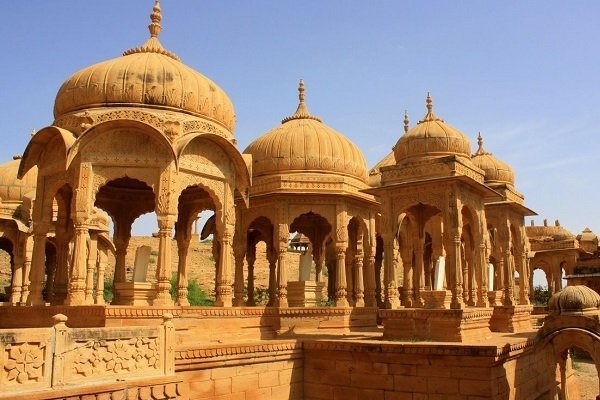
[{"x": 541, "y": 296}]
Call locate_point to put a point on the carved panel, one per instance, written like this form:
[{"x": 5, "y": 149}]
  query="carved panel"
[
  {"x": 24, "y": 363},
  {"x": 125, "y": 146},
  {"x": 206, "y": 157},
  {"x": 96, "y": 358}
]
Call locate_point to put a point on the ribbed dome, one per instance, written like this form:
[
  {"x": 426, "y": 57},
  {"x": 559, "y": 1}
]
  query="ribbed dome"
[
  {"x": 496, "y": 171},
  {"x": 587, "y": 235},
  {"x": 149, "y": 76},
  {"x": 431, "y": 137},
  {"x": 13, "y": 189},
  {"x": 576, "y": 298},
  {"x": 302, "y": 143},
  {"x": 555, "y": 232}
]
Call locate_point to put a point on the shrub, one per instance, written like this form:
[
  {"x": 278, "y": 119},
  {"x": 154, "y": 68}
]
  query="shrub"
[
  {"x": 109, "y": 290},
  {"x": 541, "y": 295},
  {"x": 196, "y": 295}
]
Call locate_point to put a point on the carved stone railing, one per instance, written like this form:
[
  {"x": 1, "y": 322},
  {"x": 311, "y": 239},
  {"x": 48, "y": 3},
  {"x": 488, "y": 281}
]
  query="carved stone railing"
[{"x": 60, "y": 357}]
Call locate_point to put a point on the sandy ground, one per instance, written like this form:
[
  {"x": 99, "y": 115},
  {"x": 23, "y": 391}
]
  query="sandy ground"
[{"x": 585, "y": 370}]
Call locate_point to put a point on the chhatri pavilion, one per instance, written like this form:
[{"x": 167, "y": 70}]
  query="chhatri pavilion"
[{"x": 415, "y": 276}]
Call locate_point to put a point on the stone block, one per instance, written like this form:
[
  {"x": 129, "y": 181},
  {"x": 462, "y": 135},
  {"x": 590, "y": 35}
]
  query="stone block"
[
  {"x": 244, "y": 382},
  {"x": 473, "y": 387},
  {"x": 371, "y": 394},
  {"x": 363, "y": 380},
  {"x": 411, "y": 384},
  {"x": 222, "y": 386},
  {"x": 442, "y": 385},
  {"x": 268, "y": 379},
  {"x": 259, "y": 394},
  {"x": 202, "y": 389},
  {"x": 345, "y": 393}
]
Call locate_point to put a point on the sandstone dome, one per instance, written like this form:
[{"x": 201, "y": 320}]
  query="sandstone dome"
[
  {"x": 495, "y": 170},
  {"x": 13, "y": 189},
  {"x": 587, "y": 235},
  {"x": 431, "y": 137},
  {"x": 573, "y": 299},
  {"x": 147, "y": 76},
  {"x": 303, "y": 143}
]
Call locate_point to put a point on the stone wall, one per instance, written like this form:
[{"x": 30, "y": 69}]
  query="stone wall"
[
  {"x": 265, "y": 371},
  {"x": 399, "y": 371}
]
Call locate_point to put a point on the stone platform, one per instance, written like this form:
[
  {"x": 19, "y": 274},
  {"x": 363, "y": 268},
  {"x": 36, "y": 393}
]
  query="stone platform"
[{"x": 436, "y": 324}]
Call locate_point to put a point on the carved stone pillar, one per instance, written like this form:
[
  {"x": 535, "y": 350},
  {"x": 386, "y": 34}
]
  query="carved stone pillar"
[
  {"x": 251, "y": 258},
  {"x": 377, "y": 266},
  {"x": 509, "y": 299},
  {"x": 482, "y": 268},
  {"x": 102, "y": 262},
  {"x": 91, "y": 267},
  {"x": 76, "y": 295},
  {"x": 163, "y": 267},
  {"x": 272, "y": 257},
  {"x": 26, "y": 270},
  {"x": 16, "y": 285},
  {"x": 341, "y": 299},
  {"x": 419, "y": 269},
  {"x": 183, "y": 245},
  {"x": 370, "y": 286},
  {"x": 391, "y": 298},
  {"x": 348, "y": 262},
  {"x": 223, "y": 284},
  {"x": 524, "y": 284},
  {"x": 282, "y": 300},
  {"x": 457, "y": 288},
  {"x": 359, "y": 287},
  {"x": 238, "y": 278},
  {"x": 38, "y": 265},
  {"x": 405, "y": 257}
]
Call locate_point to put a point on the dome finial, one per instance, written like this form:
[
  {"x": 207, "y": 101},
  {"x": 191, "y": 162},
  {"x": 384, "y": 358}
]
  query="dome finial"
[
  {"x": 302, "y": 110},
  {"x": 301, "y": 91},
  {"x": 155, "y": 19},
  {"x": 406, "y": 121},
  {"x": 480, "y": 150},
  {"x": 430, "y": 116},
  {"x": 153, "y": 45},
  {"x": 429, "y": 103}
]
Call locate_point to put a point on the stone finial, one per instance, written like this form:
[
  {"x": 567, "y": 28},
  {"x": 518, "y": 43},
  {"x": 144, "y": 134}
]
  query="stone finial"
[
  {"x": 406, "y": 121},
  {"x": 430, "y": 116},
  {"x": 429, "y": 102},
  {"x": 153, "y": 45},
  {"x": 480, "y": 150},
  {"x": 155, "y": 19},
  {"x": 302, "y": 110},
  {"x": 59, "y": 319},
  {"x": 557, "y": 223}
]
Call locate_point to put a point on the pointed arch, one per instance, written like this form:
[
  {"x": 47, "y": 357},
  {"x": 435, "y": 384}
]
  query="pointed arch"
[
  {"x": 240, "y": 162},
  {"x": 38, "y": 144}
]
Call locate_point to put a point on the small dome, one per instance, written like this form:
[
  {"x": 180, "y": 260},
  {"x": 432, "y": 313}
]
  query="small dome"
[
  {"x": 572, "y": 299},
  {"x": 146, "y": 76},
  {"x": 555, "y": 232},
  {"x": 495, "y": 170},
  {"x": 431, "y": 137},
  {"x": 13, "y": 189},
  {"x": 302, "y": 143},
  {"x": 587, "y": 236}
]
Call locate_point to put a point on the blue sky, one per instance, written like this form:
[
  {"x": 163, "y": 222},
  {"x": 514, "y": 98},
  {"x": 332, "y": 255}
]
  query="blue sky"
[{"x": 524, "y": 73}]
